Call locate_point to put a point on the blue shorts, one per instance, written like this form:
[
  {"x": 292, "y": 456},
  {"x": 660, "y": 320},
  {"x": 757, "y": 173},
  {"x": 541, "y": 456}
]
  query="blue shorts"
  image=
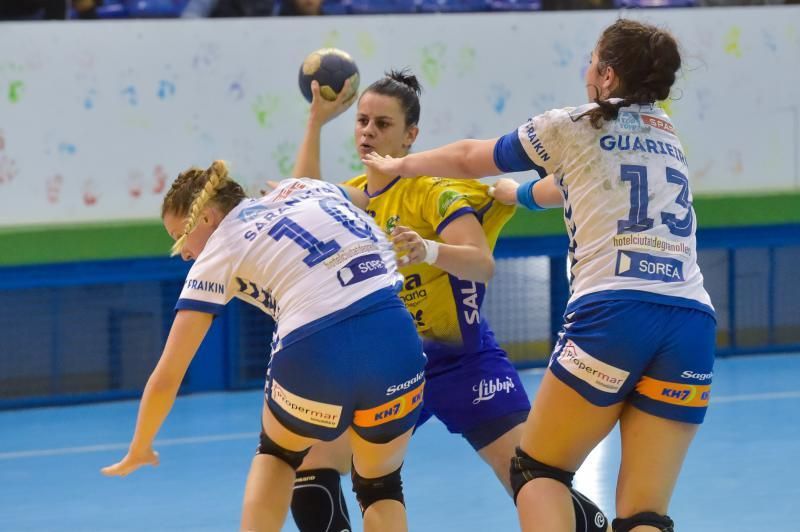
[
  {"x": 478, "y": 395},
  {"x": 365, "y": 371},
  {"x": 660, "y": 358}
]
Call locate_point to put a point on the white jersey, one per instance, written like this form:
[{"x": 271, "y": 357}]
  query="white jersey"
[
  {"x": 627, "y": 202},
  {"x": 303, "y": 254}
]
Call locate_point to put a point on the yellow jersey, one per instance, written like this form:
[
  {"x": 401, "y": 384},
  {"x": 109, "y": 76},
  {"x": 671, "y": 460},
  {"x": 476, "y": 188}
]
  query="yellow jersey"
[{"x": 445, "y": 308}]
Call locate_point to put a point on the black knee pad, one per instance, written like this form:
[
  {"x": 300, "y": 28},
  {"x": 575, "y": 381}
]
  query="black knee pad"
[
  {"x": 318, "y": 503},
  {"x": 661, "y": 522},
  {"x": 267, "y": 446},
  {"x": 371, "y": 490},
  {"x": 588, "y": 516},
  {"x": 524, "y": 469}
]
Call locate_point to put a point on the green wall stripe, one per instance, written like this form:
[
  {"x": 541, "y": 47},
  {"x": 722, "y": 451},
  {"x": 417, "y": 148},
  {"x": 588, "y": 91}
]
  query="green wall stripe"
[
  {"x": 65, "y": 243},
  {"x": 712, "y": 211},
  {"x": 40, "y": 245}
]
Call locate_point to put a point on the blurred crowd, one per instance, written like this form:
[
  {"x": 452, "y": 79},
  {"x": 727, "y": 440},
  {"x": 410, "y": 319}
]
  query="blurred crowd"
[{"x": 92, "y": 9}]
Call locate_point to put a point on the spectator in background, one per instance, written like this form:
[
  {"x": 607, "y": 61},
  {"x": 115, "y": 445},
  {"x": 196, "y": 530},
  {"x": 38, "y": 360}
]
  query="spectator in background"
[
  {"x": 568, "y": 5},
  {"x": 33, "y": 9},
  {"x": 228, "y": 8},
  {"x": 251, "y": 8},
  {"x": 730, "y": 3},
  {"x": 300, "y": 7},
  {"x": 85, "y": 9}
]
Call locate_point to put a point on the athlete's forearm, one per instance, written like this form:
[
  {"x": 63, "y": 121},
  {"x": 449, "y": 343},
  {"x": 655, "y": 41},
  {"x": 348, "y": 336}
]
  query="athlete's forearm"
[
  {"x": 156, "y": 404},
  {"x": 465, "y": 159},
  {"x": 465, "y": 262},
  {"x": 547, "y": 194},
  {"x": 307, "y": 161},
  {"x": 185, "y": 337}
]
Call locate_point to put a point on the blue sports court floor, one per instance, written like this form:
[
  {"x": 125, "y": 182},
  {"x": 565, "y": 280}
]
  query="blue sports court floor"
[{"x": 741, "y": 474}]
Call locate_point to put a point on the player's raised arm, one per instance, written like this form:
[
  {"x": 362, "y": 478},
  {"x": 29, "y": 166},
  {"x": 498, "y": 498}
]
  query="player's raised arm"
[
  {"x": 466, "y": 159},
  {"x": 322, "y": 111}
]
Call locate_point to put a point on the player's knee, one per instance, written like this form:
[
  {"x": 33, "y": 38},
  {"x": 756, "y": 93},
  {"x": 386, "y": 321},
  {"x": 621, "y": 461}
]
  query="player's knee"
[
  {"x": 524, "y": 469},
  {"x": 318, "y": 503},
  {"x": 661, "y": 522},
  {"x": 371, "y": 490},
  {"x": 269, "y": 447}
]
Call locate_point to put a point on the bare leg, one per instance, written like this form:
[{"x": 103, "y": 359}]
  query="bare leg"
[
  {"x": 561, "y": 430},
  {"x": 335, "y": 454},
  {"x": 653, "y": 450},
  {"x": 268, "y": 491},
  {"x": 267, "y": 494},
  {"x": 498, "y": 454},
  {"x": 373, "y": 460}
]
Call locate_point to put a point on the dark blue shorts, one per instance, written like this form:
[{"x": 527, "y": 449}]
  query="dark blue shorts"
[
  {"x": 658, "y": 357},
  {"x": 365, "y": 371},
  {"x": 478, "y": 395}
]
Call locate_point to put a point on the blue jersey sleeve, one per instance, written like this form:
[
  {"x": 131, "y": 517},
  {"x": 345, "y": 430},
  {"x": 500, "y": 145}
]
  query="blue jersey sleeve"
[
  {"x": 200, "y": 306},
  {"x": 538, "y": 144},
  {"x": 510, "y": 156}
]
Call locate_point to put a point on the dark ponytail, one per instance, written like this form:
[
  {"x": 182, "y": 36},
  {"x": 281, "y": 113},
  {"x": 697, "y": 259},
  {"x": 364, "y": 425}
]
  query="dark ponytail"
[
  {"x": 645, "y": 60},
  {"x": 404, "y": 86}
]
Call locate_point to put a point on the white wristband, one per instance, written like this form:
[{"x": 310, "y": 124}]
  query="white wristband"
[{"x": 431, "y": 251}]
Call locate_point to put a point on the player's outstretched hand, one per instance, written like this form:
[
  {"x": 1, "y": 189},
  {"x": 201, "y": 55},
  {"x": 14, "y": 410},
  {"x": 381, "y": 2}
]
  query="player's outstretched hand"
[
  {"x": 385, "y": 164},
  {"x": 407, "y": 240},
  {"x": 323, "y": 111},
  {"x": 131, "y": 463},
  {"x": 505, "y": 191}
]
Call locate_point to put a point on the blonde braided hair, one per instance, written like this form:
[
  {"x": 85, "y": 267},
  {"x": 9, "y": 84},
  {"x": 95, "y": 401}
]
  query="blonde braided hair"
[{"x": 185, "y": 198}]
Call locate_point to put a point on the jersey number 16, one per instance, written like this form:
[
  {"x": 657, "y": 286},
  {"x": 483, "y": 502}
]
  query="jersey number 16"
[{"x": 317, "y": 249}]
